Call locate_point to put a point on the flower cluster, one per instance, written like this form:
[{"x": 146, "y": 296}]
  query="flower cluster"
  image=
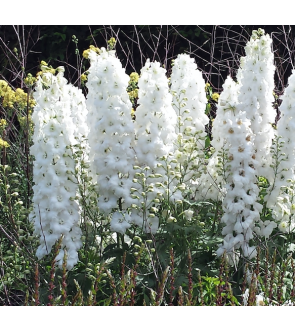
[
  {"x": 110, "y": 134},
  {"x": 132, "y": 89},
  {"x": 256, "y": 77},
  {"x": 155, "y": 133},
  {"x": 91, "y": 48},
  {"x": 12, "y": 98},
  {"x": 213, "y": 180},
  {"x": 189, "y": 102},
  {"x": 55, "y": 209},
  {"x": 3, "y": 125},
  {"x": 241, "y": 210},
  {"x": 280, "y": 197},
  {"x": 157, "y": 155}
]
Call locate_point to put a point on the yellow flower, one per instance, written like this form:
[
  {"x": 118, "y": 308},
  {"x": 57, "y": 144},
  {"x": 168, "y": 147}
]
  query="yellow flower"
[
  {"x": 3, "y": 84},
  {"x": 8, "y": 97},
  {"x": 95, "y": 49},
  {"x": 215, "y": 96},
  {"x": 112, "y": 40},
  {"x": 30, "y": 80},
  {"x": 207, "y": 86},
  {"x": 21, "y": 98},
  {"x": 39, "y": 73},
  {"x": 111, "y": 43},
  {"x": 3, "y": 123},
  {"x": 83, "y": 77},
  {"x": 134, "y": 77},
  {"x": 32, "y": 103},
  {"x": 133, "y": 94},
  {"x": 85, "y": 54},
  {"x": 3, "y": 144},
  {"x": 46, "y": 69}
]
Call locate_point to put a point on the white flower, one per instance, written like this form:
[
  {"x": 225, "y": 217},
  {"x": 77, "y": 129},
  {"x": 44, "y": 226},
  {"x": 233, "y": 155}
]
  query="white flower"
[
  {"x": 284, "y": 227},
  {"x": 280, "y": 196},
  {"x": 233, "y": 178},
  {"x": 245, "y": 297},
  {"x": 256, "y": 97},
  {"x": 55, "y": 210},
  {"x": 189, "y": 102},
  {"x": 291, "y": 247},
  {"x": 155, "y": 134},
  {"x": 111, "y": 131},
  {"x": 260, "y": 300},
  {"x": 120, "y": 222},
  {"x": 188, "y": 214}
]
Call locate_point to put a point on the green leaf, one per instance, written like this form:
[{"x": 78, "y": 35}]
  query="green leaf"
[{"x": 207, "y": 142}]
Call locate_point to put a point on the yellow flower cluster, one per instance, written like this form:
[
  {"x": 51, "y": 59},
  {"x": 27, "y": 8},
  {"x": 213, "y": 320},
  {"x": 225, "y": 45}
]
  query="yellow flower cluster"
[
  {"x": 3, "y": 124},
  {"x": 7, "y": 93},
  {"x": 20, "y": 98},
  {"x": 91, "y": 48},
  {"x": 133, "y": 94},
  {"x": 3, "y": 144},
  {"x": 83, "y": 78},
  {"x": 45, "y": 69},
  {"x": 133, "y": 87},
  {"x": 30, "y": 80},
  {"x": 215, "y": 96},
  {"x": 10, "y": 97},
  {"x": 134, "y": 77},
  {"x": 111, "y": 43}
]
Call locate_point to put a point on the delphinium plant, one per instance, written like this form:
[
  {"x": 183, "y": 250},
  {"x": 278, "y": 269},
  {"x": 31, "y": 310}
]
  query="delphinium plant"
[
  {"x": 156, "y": 177},
  {"x": 131, "y": 202},
  {"x": 189, "y": 102},
  {"x": 55, "y": 208},
  {"x": 110, "y": 134}
]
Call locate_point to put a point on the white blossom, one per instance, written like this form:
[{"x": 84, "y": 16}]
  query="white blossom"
[
  {"x": 154, "y": 145},
  {"x": 256, "y": 77},
  {"x": 189, "y": 102},
  {"x": 56, "y": 212},
  {"x": 280, "y": 197},
  {"x": 111, "y": 133}
]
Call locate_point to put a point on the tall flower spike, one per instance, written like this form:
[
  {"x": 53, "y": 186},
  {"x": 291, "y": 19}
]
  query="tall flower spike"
[
  {"x": 111, "y": 132},
  {"x": 213, "y": 180},
  {"x": 189, "y": 102},
  {"x": 241, "y": 210},
  {"x": 280, "y": 196},
  {"x": 155, "y": 132},
  {"x": 55, "y": 210},
  {"x": 256, "y": 77}
]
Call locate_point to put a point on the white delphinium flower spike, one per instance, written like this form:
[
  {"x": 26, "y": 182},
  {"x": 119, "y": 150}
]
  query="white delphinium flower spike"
[
  {"x": 212, "y": 181},
  {"x": 55, "y": 210},
  {"x": 111, "y": 133},
  {"x": 189, "y": 102},
  {"x": 280, "y": 196},
  {"x": 256, "y": 77},
  {"x": 155, "y": 133},
  {"x": 241, "y": 210}
]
